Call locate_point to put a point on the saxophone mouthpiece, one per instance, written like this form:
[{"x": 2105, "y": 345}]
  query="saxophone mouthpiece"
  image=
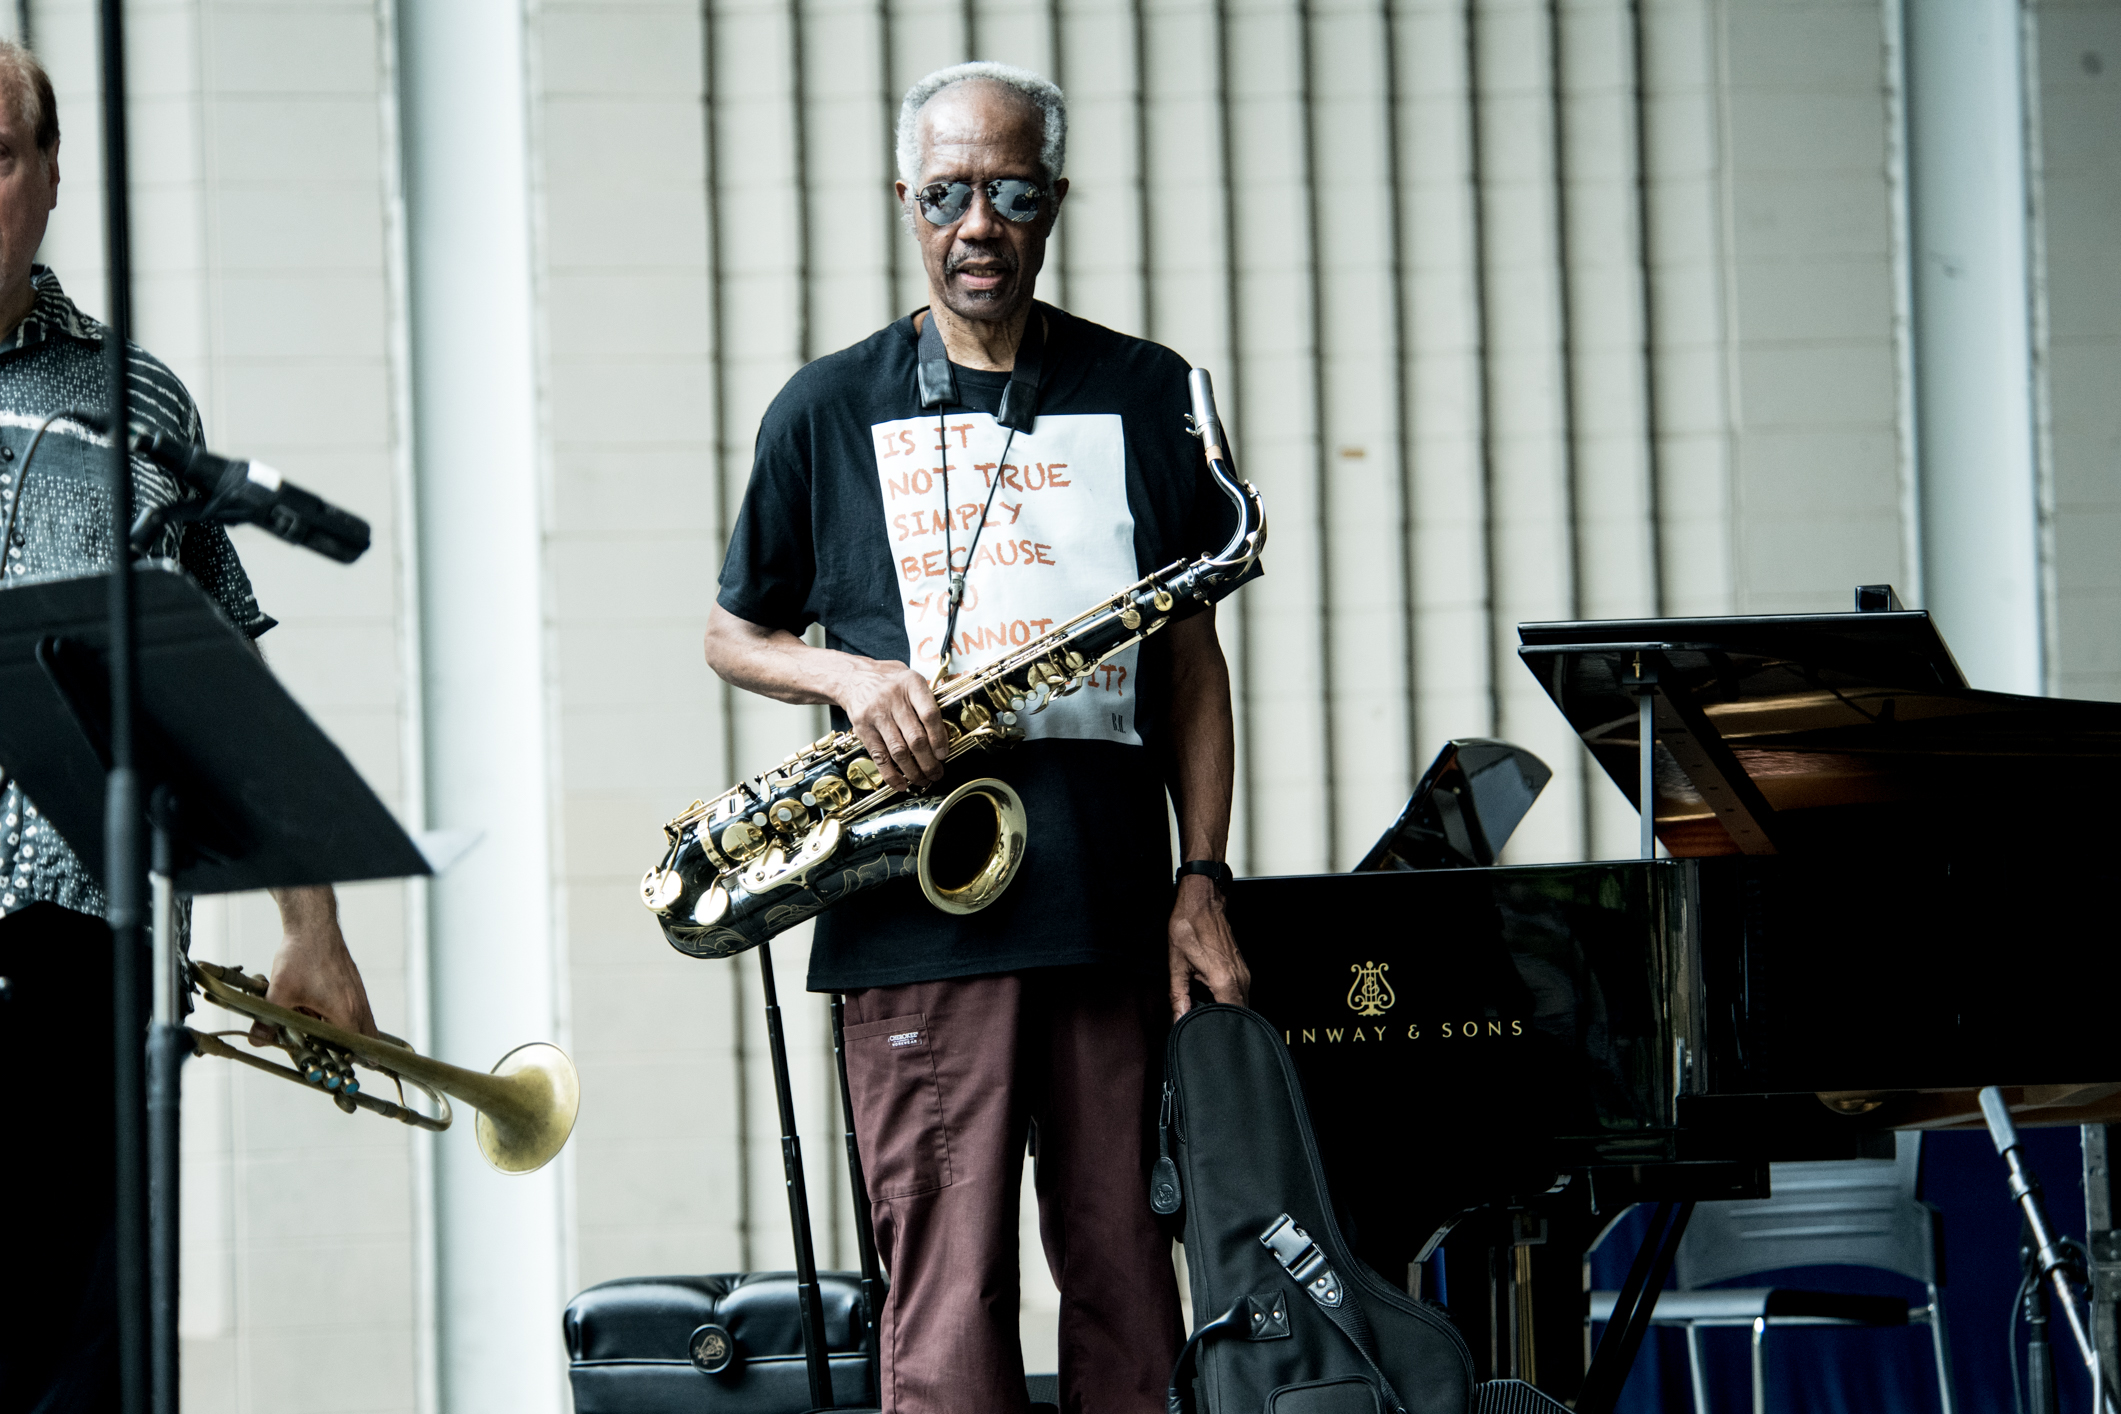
[{"x": 1206, "y": 424}]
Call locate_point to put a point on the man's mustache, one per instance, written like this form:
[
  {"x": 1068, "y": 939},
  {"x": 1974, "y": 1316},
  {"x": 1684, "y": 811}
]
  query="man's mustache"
[{"x": 1004, "y": 260}]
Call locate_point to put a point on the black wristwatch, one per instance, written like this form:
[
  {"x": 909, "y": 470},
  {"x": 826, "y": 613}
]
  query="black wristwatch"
[{"x": 1213, "y": 868}]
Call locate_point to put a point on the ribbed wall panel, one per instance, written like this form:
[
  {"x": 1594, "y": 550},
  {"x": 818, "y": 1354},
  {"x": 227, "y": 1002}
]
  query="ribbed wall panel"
[{"x": 1518, "y": 308}]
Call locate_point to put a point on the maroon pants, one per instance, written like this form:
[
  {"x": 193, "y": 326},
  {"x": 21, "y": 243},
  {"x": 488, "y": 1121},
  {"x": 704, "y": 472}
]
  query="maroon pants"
[{"x": 947, "y": 1079}]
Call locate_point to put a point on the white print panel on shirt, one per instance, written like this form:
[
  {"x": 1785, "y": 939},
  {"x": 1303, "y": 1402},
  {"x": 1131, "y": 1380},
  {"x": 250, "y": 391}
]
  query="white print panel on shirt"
[{"x": 1059, "y": 538}]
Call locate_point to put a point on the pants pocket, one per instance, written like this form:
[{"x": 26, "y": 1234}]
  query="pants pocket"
[{"x": 898, "y": 1106}]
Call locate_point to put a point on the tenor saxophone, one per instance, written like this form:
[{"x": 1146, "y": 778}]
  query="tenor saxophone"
[{"x": 823, "y": 826}]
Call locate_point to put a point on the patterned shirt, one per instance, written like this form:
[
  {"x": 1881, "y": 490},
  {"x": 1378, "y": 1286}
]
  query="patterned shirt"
[{"x": 52, "y": 363}]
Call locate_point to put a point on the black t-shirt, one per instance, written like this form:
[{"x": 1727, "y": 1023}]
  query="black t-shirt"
[{"x": 843, "y": 524}]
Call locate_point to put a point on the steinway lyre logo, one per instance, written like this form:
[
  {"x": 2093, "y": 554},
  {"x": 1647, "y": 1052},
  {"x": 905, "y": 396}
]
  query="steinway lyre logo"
[{"x": 1370, "y": 995}]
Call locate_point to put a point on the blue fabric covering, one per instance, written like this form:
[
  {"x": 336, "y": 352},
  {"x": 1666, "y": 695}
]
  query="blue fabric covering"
[{"x": 1829, "y": 1370}]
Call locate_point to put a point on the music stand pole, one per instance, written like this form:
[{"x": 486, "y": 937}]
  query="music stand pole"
[
  {"x": 137, "y": 1346},
  {"x": 168, "y": 1047}
]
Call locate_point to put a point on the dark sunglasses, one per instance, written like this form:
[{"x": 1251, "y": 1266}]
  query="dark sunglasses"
[{"x": 1014, "y": 198}]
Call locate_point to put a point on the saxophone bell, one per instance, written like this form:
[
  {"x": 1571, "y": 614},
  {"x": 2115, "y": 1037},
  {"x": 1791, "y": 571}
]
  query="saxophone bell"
[
  {"x": 962, "y": 850},
  {"x": 973, "y": 847}
]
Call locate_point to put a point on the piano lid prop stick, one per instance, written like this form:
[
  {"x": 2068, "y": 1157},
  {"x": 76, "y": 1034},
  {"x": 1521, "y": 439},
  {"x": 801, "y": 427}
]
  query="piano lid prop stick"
[
  {"x": 1645, "y": 687},
  {"x": 2055, "y": 1263},
  {"x": 1645, "y": 712}
]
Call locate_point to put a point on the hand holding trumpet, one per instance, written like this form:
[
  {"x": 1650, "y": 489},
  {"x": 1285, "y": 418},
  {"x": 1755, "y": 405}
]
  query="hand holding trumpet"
[{"x": 313, "y": 973}]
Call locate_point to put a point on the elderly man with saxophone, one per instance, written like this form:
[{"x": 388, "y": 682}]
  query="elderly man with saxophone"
[
  {"x": 58, "y": 1306},
  {"x": 958, "y": 483}
]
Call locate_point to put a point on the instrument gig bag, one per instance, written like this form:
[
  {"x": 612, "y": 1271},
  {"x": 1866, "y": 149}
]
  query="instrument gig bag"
[{"x": 1287, "y": 1320}]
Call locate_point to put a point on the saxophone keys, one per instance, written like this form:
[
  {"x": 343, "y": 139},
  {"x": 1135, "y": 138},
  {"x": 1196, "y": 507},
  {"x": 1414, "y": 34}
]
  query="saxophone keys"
[
  {"x": 829, "y": 794},
  {"x": 743, "y": 839},
  {"x": 863, "y": 775},
  {"x": 788, "y": 815},
  {"x": 712, "y": 907},
  {"x": 660, "y": 889}
]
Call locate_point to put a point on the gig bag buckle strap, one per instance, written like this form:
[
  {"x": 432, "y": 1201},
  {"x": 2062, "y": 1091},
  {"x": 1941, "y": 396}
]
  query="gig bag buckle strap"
[{"x": 1301, "y": 1259}]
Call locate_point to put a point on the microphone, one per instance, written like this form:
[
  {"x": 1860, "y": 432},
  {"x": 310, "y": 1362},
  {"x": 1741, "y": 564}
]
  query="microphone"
[{"x": 253, "y": 493}]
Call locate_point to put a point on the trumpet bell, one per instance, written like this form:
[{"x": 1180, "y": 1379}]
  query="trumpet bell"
[{"x": 523, "y": 1136}]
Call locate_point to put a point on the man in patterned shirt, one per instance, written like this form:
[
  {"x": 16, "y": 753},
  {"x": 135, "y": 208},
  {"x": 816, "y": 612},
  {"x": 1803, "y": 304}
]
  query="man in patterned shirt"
[{"x": 57, "y": 1185}]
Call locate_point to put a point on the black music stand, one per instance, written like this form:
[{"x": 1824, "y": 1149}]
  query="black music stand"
[{"x": 247, "y": 793}]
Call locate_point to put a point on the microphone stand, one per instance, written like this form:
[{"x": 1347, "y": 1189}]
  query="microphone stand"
[
  {"x": 2041, "y": 1395},
  {"x": 146, "y": 1273},
  {"x": 2052, "y": 1259}
]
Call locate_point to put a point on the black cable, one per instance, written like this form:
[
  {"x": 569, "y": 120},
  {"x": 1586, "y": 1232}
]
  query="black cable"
[
  {"x": 957, "y": 580},
  {"x": 2010, "y": 1342}
]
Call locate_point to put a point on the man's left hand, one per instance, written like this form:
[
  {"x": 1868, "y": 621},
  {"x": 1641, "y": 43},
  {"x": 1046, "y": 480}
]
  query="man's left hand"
[
  {"x": 313, "y": 973},
  {"x": 1202, "y": 946}
]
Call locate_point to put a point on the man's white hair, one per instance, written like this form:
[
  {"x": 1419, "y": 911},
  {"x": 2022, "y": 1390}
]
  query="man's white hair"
[{"x": 1053, "y": 109}]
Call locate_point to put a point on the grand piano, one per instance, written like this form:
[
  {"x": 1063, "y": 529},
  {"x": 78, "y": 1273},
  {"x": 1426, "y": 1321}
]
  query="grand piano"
[{"x": 1878, "y": 890}]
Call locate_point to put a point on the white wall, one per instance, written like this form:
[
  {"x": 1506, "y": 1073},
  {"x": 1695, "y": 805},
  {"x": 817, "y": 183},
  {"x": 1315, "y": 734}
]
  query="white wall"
[
  {"x": 2077, "y": 175},
  {"x": 1518, "y": 312}
]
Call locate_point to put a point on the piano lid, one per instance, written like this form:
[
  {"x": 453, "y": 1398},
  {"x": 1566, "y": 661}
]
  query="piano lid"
[{"x": 1829, "y": 733}]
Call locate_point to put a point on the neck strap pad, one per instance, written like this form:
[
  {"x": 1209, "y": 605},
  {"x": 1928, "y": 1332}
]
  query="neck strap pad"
[{"x": 937, "y": 383}]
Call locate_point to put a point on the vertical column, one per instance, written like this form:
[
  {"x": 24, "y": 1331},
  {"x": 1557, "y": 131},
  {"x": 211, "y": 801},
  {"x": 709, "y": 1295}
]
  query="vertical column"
[
  {"x": 1280, "y": 658},
  {"x": 503, "y": 1271},
  {"x": 1518, "y": 182},
  {"x": 1188, "y": 260},
  {"x": 1605, "y": 205},
  {"x": 1445, "y": 340},
  {"x": 1972, "y": 346},
  {"x": 1684, "y": 163},
  {"x": 1352, "y": 194}
]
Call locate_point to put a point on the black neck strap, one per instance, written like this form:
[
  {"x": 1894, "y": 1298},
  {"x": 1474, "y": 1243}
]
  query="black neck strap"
[{"x": 937, "y": 384}]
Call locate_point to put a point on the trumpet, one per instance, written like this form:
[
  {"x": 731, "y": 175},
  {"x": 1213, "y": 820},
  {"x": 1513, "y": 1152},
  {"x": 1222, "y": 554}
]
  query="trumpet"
[{"x": 526, "y": 1105}]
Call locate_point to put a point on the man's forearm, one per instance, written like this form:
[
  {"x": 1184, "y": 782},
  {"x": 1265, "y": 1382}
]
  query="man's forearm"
[
  {"x": 772, "y": 662},
  {"x": 1204, "y": 737},
  {"x": 307, "y": 909},
  {"x": 889, "y": 705}
]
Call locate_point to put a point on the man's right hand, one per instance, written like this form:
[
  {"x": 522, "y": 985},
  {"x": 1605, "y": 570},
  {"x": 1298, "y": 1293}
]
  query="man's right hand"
[
  {"x": 891, "y": 707},
  {"x": 893, "y": 711}
]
